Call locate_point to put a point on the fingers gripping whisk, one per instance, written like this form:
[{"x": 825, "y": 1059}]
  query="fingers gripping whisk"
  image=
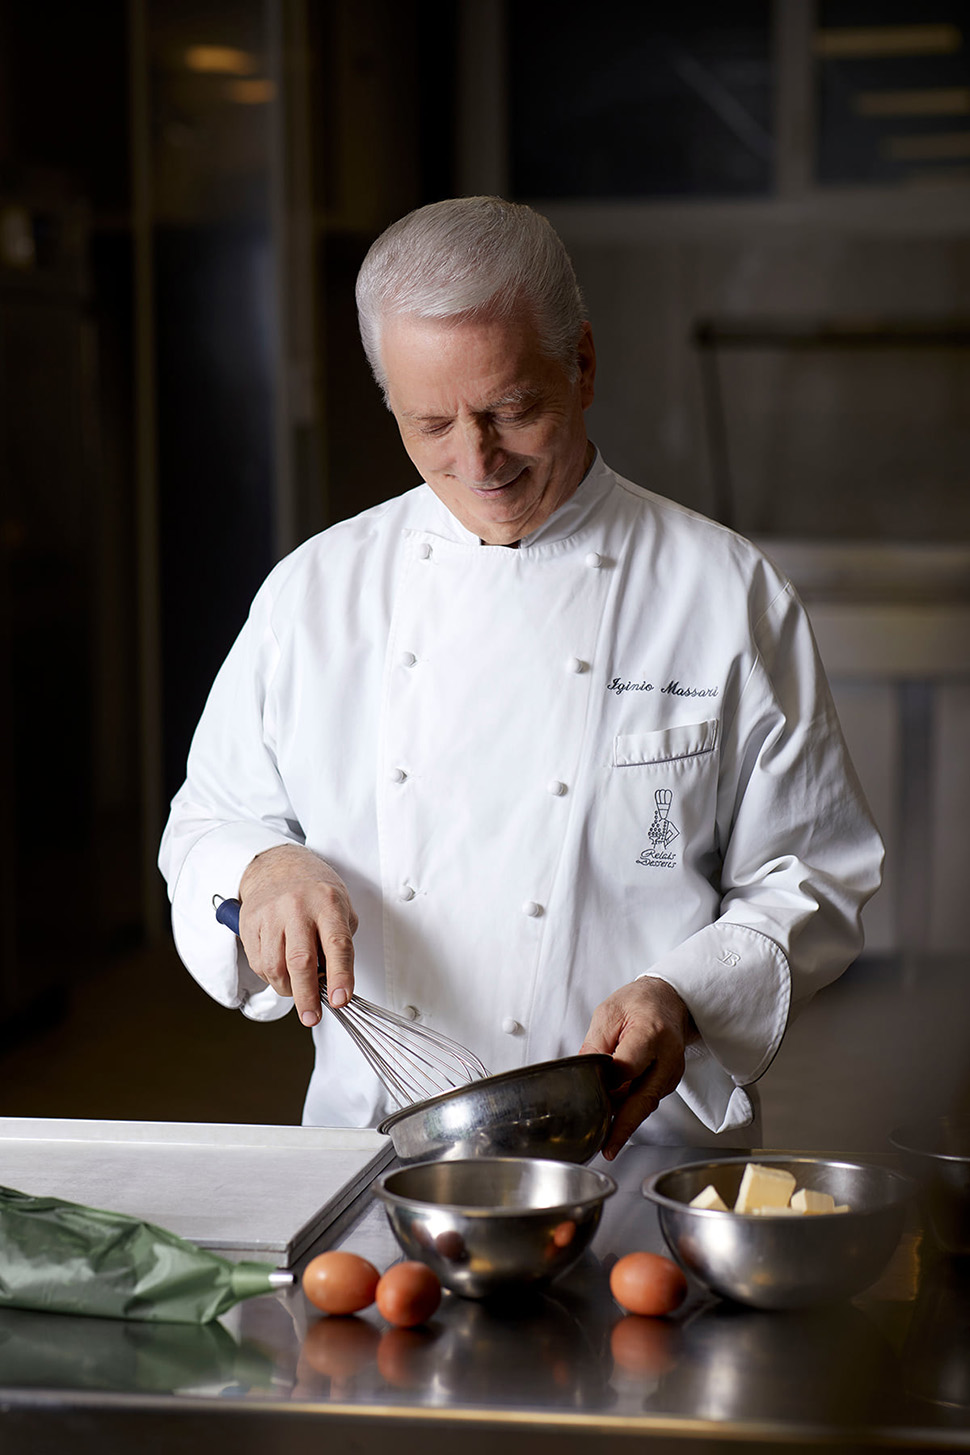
[{"x": 412, "y": 1062}]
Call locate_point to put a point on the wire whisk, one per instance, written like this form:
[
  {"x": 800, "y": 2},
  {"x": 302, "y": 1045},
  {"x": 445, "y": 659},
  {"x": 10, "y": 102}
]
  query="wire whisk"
[{"x": 411, "y": 1061}]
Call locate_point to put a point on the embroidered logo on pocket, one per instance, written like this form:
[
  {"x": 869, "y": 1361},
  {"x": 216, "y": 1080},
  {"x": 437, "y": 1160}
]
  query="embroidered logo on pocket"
[{"x": 661, "y": 834}]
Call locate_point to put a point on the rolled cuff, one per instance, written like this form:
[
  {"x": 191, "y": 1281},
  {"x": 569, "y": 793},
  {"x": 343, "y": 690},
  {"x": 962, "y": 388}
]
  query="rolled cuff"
[
  {"x": 210, "y": 952},
  {"x": 708, "y": 1091},
  {"x": 736, "y": 983}
]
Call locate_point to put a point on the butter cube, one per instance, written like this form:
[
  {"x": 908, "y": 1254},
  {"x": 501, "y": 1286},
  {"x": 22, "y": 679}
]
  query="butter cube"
[
  {"x": 764, "y": 1187},
  {"x": 807, "y": 1201},
  {"x": 709, "y": 1198},
  {"x": 776, "y": 1212}
]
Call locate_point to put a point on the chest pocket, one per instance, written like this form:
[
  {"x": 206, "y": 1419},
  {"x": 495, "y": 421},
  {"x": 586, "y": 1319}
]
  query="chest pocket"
[
  {"x": 653, "y": 836},
  {"x": 664, "y": 745}
]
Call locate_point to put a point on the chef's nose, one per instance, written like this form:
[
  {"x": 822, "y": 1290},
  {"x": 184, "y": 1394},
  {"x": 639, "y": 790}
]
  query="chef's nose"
[{"x": 479, "y": 454}]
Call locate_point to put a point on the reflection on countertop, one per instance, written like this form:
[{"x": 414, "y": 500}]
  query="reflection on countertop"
[{"x": 887, "y": 1366}]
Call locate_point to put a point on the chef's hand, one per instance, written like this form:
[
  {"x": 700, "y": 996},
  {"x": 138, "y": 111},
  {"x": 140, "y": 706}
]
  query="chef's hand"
[
  {"x": 295, "y": 915},
  {"x": 644, "y": 1026}
]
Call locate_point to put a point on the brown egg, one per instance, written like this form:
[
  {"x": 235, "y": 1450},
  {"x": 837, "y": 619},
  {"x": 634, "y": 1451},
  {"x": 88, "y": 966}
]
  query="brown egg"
[
  {"x": 339, "y": 1347},
  {"x": 646, "y": 1283},
  {"x": 340, "y": 1283},
  {"x": 643, "y": 1346},
  {"x": 408, "y": 1294}
]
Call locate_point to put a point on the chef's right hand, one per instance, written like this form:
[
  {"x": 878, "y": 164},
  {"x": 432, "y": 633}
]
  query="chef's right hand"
[{"x": 295, "y": 915}]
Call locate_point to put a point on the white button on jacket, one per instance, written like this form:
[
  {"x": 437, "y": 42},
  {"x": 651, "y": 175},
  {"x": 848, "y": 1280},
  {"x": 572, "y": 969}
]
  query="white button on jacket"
[{"x": 711, "y": 834}]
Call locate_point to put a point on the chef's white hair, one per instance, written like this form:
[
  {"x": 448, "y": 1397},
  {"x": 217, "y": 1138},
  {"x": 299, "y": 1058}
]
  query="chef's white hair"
[{"x": 472, "y": 258}]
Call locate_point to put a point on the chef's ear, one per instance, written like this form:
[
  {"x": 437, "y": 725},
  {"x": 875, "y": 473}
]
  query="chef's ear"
[{"x": 587, "y": 365}]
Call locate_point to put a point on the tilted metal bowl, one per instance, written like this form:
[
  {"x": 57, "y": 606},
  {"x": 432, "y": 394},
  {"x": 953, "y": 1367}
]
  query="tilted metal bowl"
[
  {"x": 486, "y": 1224},
  {"x": 557, "y": 1109},
  {"x": 937, "y": 1154},
  {"x": 783, "y": 1262}
]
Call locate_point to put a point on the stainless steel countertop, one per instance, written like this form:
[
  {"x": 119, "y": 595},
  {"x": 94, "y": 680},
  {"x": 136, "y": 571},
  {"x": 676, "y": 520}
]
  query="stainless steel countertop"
[{"x": 561, "y": 1370}]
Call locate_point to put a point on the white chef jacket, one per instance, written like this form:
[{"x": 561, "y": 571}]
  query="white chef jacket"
[{"x": 540, "y": 772}]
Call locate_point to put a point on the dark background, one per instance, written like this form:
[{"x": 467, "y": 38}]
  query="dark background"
[{"x": 186, "y": 193}]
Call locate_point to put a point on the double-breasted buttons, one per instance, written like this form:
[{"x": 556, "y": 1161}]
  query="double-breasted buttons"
[
  {"x": 511, "y": 1026},
  {"x": 416, "y": 809}
]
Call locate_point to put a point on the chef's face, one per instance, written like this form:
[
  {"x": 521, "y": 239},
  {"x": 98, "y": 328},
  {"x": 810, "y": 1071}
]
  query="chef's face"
[{"x": 491, "y": 423}]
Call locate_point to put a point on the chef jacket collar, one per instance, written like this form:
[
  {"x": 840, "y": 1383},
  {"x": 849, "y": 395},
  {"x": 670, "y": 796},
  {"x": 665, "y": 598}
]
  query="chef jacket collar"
[{"x": 572, "y": 517}]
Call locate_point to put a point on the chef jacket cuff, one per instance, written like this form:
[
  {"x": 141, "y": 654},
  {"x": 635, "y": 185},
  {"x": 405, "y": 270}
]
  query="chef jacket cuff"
[
  {"x": 736, "y": 983},
  {"x": 213, "y": 955},
  {"x": 707, "y": 1091}
]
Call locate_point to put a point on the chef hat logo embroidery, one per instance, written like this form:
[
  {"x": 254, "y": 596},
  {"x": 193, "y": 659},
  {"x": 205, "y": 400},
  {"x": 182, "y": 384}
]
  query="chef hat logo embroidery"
[{"x": 661, "y": 834}]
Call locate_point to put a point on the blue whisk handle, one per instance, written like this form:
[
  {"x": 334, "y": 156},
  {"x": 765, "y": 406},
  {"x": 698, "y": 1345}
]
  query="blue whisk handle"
[{"x": 227, "y": 913}]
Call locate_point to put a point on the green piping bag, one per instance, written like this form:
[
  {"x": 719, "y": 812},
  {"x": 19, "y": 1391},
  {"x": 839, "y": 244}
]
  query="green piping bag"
[{"x": 62, "y": 1257}]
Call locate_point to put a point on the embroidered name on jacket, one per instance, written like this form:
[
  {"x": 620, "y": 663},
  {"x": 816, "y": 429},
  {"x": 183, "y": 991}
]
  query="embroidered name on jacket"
[
  {"x": 619, "y": 685},
  {"x": 661, "y": 834}
]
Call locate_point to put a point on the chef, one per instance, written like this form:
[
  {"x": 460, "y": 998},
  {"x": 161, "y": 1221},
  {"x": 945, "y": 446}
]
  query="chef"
[{"x": 528, "y": 754}]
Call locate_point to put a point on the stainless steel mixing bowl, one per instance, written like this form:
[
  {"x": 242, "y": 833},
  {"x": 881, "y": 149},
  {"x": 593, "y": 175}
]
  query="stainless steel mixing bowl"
[
  {"x": 556, "y": 1109},
  {"x": 486, "y": 1224},
  {"x": 937, "y": 1154},
  {"x": 936, "y": 1351},
  {"x": 783, "y": 1262}
]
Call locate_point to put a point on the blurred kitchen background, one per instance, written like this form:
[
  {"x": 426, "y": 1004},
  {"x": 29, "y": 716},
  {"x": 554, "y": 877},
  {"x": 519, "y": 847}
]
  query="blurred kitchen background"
[{"x": 768, "y": 205}]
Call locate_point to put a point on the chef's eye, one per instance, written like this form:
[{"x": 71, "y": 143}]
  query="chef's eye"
[{"x": 435, "y": 427}]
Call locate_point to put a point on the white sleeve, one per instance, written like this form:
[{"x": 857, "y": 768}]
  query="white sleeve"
[
  {"x": 800, "y": 857},
  {"x": 231, "y": 807}
]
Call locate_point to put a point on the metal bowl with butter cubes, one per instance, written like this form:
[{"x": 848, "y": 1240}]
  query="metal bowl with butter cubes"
[{"x": 781, "y": 1231}]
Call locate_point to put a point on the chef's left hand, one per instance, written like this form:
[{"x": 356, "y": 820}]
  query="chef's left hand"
[{"x": 644, "y": 1026}]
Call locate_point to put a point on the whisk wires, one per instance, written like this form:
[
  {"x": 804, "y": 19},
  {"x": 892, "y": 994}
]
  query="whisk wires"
[{"x": 412, "y": 1062}]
